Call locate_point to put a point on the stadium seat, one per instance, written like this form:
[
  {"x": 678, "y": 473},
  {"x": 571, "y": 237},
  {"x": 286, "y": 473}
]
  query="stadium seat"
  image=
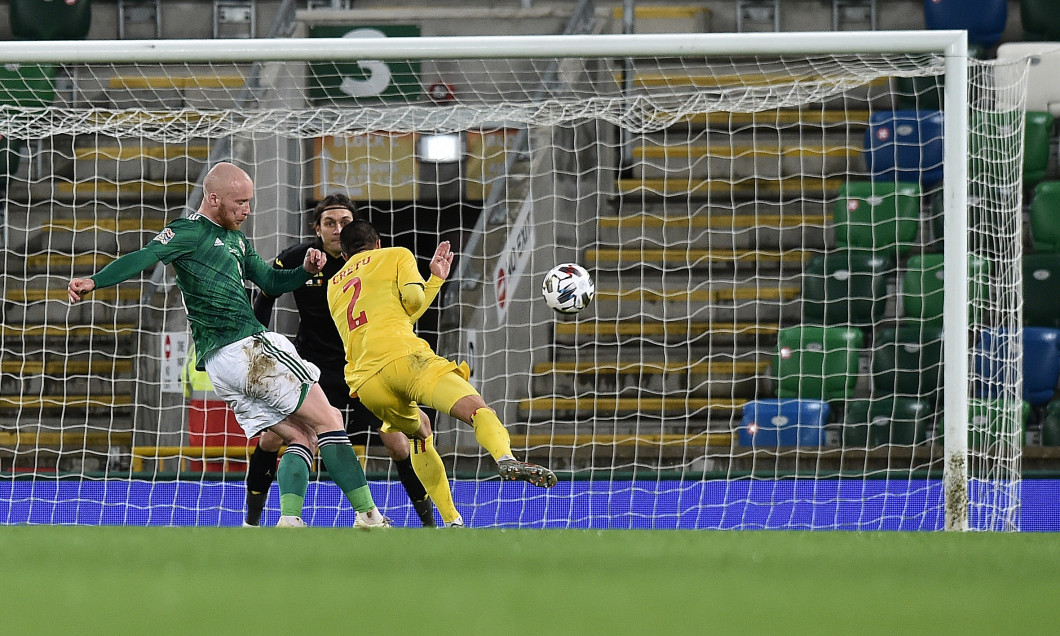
[
  {"x": 1041, "y": 290},
  {"x": 878, "y": 216},
  {"x": 845, "y": 287},
  {"x": 927, "y": 92},
  {"x": 995, "y": 362},
  {"x": 9, "y": 161},
  {"x": 50, "y": 19},
  {"x": 1051, "y": 424},
  {"x": 907, "y": 362},
  {"x": 988, "y": 418},
  {"x": 890, "y": 420},
  {"x": 1045, "y": 217},
  {"x": 1041, "y": 19},
  {"x": 819, "y": 363},
  {"x": 922, "y": 286},
  {"x": 27, "y": 85},
  {"x": 984, "y": 20},
  {"x": 1037, "y": 135},
  {"x": 987, "y": 422},
  {"x": 905, "y": 145},
  {"x": 1043, "y": 91},
  {"x": 989, "y": 157},
  {"x": 783, "y": 422}
]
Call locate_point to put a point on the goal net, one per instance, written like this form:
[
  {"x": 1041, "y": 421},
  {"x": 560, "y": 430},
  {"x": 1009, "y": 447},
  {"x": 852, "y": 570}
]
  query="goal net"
[{"x": 785, "y": 275}]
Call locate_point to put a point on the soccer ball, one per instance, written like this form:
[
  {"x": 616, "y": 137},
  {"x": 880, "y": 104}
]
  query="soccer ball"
[{"x": 568, "y": 288}]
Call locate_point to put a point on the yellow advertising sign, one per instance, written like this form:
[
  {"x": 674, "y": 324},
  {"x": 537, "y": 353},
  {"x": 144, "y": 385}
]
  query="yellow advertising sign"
[
  {"x": 485, "y": 160},
  {"x": 373, "y": 166}
]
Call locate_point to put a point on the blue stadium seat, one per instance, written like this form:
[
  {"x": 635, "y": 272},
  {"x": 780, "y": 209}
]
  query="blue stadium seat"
[
  {"x": 995, "y": 362},
  {"x": 905, "y": 145},
  {"x": 984, "y": 20},
  {"x": 783, "y": 422}
]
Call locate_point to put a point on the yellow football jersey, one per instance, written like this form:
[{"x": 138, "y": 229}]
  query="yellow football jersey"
[{"x": 365, "y": 299}]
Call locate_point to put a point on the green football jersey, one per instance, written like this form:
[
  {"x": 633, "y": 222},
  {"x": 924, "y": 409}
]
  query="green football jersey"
[{"x": 211, "y": 264}]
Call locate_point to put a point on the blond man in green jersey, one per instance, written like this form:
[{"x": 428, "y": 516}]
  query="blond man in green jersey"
[
  {"x": 374, "y": 300},
  {"x": 257, "y": 372}
]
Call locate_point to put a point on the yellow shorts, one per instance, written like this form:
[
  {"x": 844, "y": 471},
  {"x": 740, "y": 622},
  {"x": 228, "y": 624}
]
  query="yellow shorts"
[{"x": 395, "y": 392}]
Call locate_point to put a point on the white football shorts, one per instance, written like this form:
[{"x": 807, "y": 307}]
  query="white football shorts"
[{"x": 261, "y": 378}]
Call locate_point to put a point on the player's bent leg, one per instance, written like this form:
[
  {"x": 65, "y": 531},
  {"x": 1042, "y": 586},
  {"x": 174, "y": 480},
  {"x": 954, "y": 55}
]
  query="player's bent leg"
[
  {"x": 431, "y": 471},
  {"x": 492, "y": 435},
  {"x": 292, "y": 475},
  {"x": 261, "y": 471},
  {"x": 338, "y": 455},
  {"x": 397, "y": 446}
]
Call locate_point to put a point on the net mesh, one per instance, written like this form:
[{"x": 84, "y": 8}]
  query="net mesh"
[{"x": 765, "y": 235}]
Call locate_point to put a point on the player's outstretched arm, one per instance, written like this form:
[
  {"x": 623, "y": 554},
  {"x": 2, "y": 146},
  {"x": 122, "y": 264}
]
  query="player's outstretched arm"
[
  {"x": 78, "y": 287},
  {"x": 117, "y": 271},
  {"x": 314, "y": 261},
  {"x": 442, "y": 261}
]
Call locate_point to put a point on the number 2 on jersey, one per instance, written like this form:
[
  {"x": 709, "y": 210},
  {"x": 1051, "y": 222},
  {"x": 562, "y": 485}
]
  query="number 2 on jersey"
[{"x": 360, "y": 319}]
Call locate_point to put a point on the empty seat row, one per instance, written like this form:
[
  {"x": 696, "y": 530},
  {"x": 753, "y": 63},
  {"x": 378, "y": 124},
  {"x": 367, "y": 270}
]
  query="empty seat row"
[
  {"x": 874, "y": 423},
  {"x": 820, "y": 362}
]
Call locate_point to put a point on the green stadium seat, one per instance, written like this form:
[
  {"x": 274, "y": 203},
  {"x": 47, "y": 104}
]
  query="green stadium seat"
[
  {"x": 845, "y": 287},
  {"x": 989, "y": 158},
  {"x": 880, "y": 217},
  {"x": 1041, "y": 290},
  {"x": 817, "y": 363},
  {"x": 27, "y": 85},
  {"x": 1037, "y": 135},
  {"x": 51, "y": 19},
  {"x": 1041, "y": 20},
  {"x": 1045, "y": 217},
  {"x": 987, "y": 419},
  {"x": 907, "y": 362},
  {"x": 982, "y": 198},
  {"x": 891, "y": 420},
  {"x": 926, "y": 93},
  {"x": 922, "y": 292},
  {"x": 1051, "y": 424}
]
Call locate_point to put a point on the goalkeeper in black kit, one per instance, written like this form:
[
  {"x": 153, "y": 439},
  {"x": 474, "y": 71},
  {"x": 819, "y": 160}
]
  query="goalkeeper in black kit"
[{"x": 318, "y": 342}]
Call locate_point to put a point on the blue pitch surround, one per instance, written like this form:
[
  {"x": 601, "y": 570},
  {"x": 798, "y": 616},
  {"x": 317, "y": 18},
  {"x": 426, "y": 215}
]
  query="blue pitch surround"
[{"x": 762, "y": 504}]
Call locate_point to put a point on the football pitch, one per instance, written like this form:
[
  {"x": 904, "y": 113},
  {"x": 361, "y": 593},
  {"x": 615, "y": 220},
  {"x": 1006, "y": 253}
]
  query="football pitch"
[{"x": 116, "y": 580}]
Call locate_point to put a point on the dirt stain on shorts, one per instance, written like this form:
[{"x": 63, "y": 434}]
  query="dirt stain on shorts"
[{"x": 261, "y": 367}]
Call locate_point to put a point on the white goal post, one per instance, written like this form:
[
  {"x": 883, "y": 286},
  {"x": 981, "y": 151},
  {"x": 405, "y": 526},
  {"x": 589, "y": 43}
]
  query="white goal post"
[{"x": 535, "y": 205}]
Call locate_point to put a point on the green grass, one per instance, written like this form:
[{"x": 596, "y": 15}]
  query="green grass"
[{"x": 124, "y": 580}]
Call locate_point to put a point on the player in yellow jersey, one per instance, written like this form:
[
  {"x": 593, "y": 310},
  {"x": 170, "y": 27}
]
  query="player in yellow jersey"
[{"x": 374, "y": 299}]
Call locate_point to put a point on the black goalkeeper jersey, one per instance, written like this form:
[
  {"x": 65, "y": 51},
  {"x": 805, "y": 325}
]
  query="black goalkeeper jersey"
[{"x": 317, "y": 339}]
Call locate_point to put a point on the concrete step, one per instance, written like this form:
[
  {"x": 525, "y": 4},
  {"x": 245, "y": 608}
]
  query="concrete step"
[
  {"x": 783, "y": 189},
  {"x": 717, "y": 230}
]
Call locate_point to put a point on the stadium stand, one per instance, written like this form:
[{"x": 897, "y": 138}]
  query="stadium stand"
[
  {"x": 877, "y": 216},
  {"x": 905, "y": 145},
  {"x": 1045, "y": 217},
  {"x": 983, "y": 19},
  {"x": 921, "y": 285},
  {"x": 815, "y": 362},
  {"x": 1040, "y": 19},
  {"x": 880, "y": 421},
  {"x": 49, "y": 20},
  {"x": 906, "y": 361},
  {"x": 845, "y": 287},
  {"x": 1043, "y": 92},
  {"x": 1041, "y": 290},
  {"x": 1040, "y": 360},
  {"x": 783, "y": 422}
]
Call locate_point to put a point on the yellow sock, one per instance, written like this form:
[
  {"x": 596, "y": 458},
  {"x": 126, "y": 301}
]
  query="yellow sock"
[
  {"x": 429, "y": 468},
  {"x": 491, "y": 434}
]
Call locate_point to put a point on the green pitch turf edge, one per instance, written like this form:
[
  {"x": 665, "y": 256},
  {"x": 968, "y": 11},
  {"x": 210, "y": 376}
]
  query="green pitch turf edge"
[{"x": 126, "y": 580}]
